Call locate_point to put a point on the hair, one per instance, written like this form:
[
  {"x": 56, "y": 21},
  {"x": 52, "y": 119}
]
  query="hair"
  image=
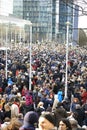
[
  {"x": 15, "y": 124},
  {"x": 74, "y": 123},
  {"x": 67, "y": 122},
  {"x": 59, "y": 113},
  {"x": 7, "y": 107},
  {"x": 16, "y": 99},
  {"x": 7, "y": 119},
  {"x": 40, "y": 104}
]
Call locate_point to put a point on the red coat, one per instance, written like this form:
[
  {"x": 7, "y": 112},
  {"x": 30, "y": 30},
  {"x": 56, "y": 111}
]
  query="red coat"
[{"x": 84, "y": 97}]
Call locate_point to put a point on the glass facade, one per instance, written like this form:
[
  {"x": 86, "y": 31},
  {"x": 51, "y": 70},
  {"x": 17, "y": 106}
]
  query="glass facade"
[
  {"x": 38, "y": 12},
  {"x": 53, "y": 18},
  {"x": 49, "y": 17},
  {"x": 18, "y": 8},
  {"x": 65, "y": 15},
  {"x": 75, "y": 25}
]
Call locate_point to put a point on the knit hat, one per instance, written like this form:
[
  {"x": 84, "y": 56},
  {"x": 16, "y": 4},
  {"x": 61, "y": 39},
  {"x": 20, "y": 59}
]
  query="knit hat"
[
  {"x": 30, "y": 117},
  {"x": 49, "y": 116}
]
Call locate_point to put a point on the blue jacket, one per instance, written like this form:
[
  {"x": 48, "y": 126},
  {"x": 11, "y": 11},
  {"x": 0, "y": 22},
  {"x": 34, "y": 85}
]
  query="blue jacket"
[{"x": 60, "y": 96}]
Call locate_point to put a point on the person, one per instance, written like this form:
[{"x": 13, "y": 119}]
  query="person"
[
  {"x": 59, "y": 113},
  {"x": 24, "y": 91},
  {"x": 84, "y": 108},
  {"x": 5, "y": 123},
  {"x": 29, "y": 104},
  {"x": 20, "y": 117},
  {"x": 40, "y": 108},
  {"x": 60, "y": 95},
  {"x": 7, "y": 111},
  {"x": 15, "y": 107},
  {"x": 14, "y": 124},
  {"x": 75, "y": 125},
  {"x": 46, "y": 121},
  {"x": 79, "y": 114},
  {"x": 64, "y": 124},
  {"x": 30, "y": 121},
  {"x": 73, "y": 105},
  {"x": 84, "y": 96}
]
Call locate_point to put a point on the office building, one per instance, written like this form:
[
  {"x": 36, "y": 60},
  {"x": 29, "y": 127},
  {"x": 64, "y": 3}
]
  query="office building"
[
  {"x": 65, "y": 15},
  {"x": 49, "y": 17},
  {"x": 75, "y": 37},
  {"x": 18, "y": 8}
]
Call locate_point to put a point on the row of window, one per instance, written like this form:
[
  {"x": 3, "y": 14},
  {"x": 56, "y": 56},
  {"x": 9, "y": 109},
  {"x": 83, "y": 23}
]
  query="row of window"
[{"x": 36, "y": 8}]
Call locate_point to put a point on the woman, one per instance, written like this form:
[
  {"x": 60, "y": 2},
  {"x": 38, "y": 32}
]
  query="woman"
[
  {"x": 46, "y": 121},
  {"x": 64, "y": 124}
]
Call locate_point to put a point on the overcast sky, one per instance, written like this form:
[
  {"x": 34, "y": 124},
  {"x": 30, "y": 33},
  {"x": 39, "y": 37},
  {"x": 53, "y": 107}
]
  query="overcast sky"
[
  {"x": 83, "y": 19},
  {"x": 82, "y": 22}
]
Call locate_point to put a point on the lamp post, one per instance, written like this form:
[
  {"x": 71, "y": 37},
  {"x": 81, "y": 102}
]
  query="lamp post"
[
  {"x": 30, "y": 47},
  {"x": 15, "y": 37},
  {"x": 1, "y": 33},
  {"x": 20, "y": 25},
  {"x": 66, "y": 74},
  {"x": 6, "y": 48}
]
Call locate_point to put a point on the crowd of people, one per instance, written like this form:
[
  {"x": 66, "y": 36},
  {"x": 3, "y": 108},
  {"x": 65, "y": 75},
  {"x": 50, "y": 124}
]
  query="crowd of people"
[{"x": 43, "y": 107}]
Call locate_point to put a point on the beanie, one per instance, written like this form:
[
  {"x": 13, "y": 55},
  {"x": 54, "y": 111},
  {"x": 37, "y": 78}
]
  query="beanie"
[
  {"x": 49, "y": 116},
  {"x": 30, "y": 117}
]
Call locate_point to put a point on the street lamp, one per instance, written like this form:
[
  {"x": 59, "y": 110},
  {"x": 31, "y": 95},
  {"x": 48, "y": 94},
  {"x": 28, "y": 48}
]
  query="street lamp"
[
  {"x": 66, "y": 74},
  {"x": 6, "y": 48},
  {"x": 30, "y": 57}
]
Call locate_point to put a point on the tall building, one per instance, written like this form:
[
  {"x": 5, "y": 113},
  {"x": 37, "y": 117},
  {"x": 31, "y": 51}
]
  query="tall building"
[
  {"x": 65, "y": 15},
  {"x": 6, "y": 7},
  {"x": 39, "y": 12},
  {"x": 18, "y": 8},
  {"x": 49, "y": 17},
  {"x": 75, "y": 37}
]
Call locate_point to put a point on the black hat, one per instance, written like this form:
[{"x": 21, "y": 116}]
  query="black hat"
[{"x": 49, "y": 116}]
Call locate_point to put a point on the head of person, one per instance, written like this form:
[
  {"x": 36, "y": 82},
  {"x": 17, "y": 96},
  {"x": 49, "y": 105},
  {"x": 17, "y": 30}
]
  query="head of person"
[
  {"x": 75, "y": 100},
  {"x": 46, "y": 121},
  {"x": 74, "y": 124},
  {"x": 59, "y": 114},
  {"x": 7, "y": 107},
  {"x": 30, "y": 118},
  {"x": 64, "y": 124},
  {"x": 17, "y": 101},
  {"x": 14, "y": 124},
  {"x": 40, "y": 104}
]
